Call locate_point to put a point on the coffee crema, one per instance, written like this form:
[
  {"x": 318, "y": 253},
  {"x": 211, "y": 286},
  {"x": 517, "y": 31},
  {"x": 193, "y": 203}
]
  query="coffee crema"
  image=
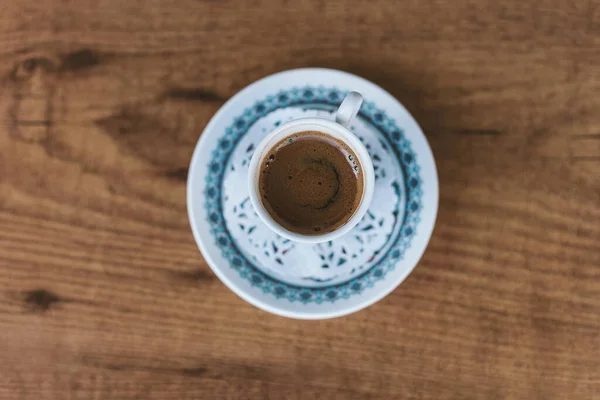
[{"x": 311, "y": 183}]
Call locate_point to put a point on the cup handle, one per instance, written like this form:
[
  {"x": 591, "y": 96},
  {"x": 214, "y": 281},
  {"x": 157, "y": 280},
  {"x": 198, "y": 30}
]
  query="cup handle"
[{"x": 348, "y": 109}]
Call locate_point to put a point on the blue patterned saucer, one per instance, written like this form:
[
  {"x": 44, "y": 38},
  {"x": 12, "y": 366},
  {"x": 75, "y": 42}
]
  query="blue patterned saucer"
[{"x": 312, "y": 281}]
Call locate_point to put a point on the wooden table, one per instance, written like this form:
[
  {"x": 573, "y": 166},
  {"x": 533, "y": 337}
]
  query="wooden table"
[{"x": 104, "y": 294}]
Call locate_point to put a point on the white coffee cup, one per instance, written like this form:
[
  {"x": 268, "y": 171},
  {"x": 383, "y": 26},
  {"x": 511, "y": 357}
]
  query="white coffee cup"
[{"x": 337, "y": 130}]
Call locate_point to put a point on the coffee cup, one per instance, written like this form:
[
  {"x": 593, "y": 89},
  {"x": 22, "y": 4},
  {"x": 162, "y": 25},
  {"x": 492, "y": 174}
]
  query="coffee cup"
[{"x": 335, "y": 131}]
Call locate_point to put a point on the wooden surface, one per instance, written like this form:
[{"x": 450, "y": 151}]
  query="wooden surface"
[{"x": 104, "y": 294}]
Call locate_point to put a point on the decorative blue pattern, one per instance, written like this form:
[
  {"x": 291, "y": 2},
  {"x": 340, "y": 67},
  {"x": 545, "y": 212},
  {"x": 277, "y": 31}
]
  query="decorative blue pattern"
[{"x": 223, "y": 239}]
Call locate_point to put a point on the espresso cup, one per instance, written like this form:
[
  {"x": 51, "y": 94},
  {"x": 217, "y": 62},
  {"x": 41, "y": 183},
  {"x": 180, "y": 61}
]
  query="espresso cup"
[{"x": 336, "y": 130}]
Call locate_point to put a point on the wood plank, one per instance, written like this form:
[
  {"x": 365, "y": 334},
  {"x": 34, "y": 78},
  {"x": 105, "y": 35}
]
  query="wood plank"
[{"x": 106, "y": 296}]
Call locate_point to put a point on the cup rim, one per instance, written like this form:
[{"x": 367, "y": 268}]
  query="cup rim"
[{"x": 357, "y": 147}]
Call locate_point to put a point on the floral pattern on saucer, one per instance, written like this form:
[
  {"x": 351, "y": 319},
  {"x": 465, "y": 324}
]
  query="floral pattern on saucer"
[{"x": 327, "y": 271}]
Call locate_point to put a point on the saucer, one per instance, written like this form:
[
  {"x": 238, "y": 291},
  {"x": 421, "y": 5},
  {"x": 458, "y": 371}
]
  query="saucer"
[{"x": 312, "y": 281}]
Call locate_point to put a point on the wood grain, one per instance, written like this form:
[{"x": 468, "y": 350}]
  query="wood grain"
[{"x": 104, "y": 294}]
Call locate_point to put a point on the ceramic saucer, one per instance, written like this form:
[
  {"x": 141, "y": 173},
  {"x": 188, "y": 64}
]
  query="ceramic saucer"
[{"x": 304, "y": 280}]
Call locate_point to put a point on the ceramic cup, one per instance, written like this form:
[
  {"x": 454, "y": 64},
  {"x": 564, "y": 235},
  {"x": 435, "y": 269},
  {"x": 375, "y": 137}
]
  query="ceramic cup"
[{"x": 337, "y": 130}]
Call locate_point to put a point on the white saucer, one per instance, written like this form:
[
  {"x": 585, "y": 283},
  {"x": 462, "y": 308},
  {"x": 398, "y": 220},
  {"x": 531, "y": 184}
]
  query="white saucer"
[{"x": 302, "y": 280}]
